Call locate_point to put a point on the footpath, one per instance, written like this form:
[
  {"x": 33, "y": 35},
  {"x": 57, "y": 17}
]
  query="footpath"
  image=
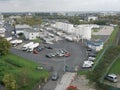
[{"x": 66, "y": 80}]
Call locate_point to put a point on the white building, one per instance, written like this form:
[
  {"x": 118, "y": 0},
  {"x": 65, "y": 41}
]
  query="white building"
[
  {"x": 66, "y": 27},
  {"x": 20, "y": 28},
  {"x": 77, "y": 33},
  {"x": 97, "y": 46},
  {"x": 83, "y": 31},
  {"x": 31, "y": 34},
  {"x": 2, "y": 32},
  {"x": 2, "y": 20},
  {"x": 93, "y": 18}
]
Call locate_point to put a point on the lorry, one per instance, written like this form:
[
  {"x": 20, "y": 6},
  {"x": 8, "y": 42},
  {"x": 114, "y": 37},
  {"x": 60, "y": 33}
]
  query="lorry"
[
  {"x": 31, "y": 48},
  {"x": 8, "y": 38},
  {"x": 16, "y": 42},
  {"x": 26, "y": 46}
]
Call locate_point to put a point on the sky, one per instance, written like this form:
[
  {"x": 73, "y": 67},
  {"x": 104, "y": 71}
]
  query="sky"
[{"x": 58, "y": 5}]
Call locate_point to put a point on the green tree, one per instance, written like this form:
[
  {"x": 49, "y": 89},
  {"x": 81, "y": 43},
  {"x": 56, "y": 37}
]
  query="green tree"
[
  {"x": 9, "y": 81},
  {"x": 4, "y": 46}
]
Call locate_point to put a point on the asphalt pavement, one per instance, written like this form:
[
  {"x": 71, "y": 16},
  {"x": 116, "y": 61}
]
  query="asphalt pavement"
[{"x": 78, "y": 55}]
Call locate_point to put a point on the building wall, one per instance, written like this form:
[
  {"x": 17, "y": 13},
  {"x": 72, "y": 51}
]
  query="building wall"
[
  {"x": 84, "y": 32},
  {"x": 31, "y": 35},
  {"x": 64, "y": 26}
]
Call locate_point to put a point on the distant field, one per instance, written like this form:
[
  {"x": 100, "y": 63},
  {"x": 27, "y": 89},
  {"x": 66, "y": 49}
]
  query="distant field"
[{"x": 24, "y": 71}]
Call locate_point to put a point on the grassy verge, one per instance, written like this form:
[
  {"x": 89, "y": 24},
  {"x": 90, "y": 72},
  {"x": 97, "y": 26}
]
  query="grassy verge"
[
  {"x": 116, "y": 67},
  {"x": 23, "y": 70},
  {"x": 112, "y": 37}
]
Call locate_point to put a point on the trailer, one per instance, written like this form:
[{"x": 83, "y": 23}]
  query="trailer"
[
  {"x": 16, "y": 42},
  {"x": 31, "y": 48},
  {"x": 8, "y": 38},
  {"x": 26, "y": 46}
]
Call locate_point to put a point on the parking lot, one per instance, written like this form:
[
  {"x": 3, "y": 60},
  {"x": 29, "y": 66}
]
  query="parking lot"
[{"x": 78, "y": 55}]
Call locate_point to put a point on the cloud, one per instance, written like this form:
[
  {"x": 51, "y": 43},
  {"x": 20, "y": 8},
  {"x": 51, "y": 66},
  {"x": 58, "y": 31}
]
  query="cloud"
[{"x": 58, "y": 5}]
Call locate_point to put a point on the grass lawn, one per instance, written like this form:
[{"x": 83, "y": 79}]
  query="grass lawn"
[
  {"x": 116, "y": 67},
  {"x": 23, "y": 70},
  {"x": 38, "y": 40}
]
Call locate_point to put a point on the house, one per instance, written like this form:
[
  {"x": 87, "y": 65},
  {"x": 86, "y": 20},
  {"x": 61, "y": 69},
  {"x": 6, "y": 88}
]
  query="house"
[{"x": 31, "y": 34}]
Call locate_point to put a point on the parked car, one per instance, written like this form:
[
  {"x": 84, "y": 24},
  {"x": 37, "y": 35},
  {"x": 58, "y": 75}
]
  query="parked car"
[
  {"x": 55, "y": 76},
  {"x": 87, "y": 64},
  {"x": 111, "y": 77},
  {"x": 89, "y": 49},
  {"x": 92, "y": 55},
  {"x": 67, "y": 54},
  {"x": 49, "y": 55},
  {"x": 91, "y": 58},
  {"x": 48, "y": 47},
  {"x": 39, "y": 49},
  {"x": 35, "y": 51}
]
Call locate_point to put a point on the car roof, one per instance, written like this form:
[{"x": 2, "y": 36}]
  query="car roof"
[{"x": 112, "y": 75}]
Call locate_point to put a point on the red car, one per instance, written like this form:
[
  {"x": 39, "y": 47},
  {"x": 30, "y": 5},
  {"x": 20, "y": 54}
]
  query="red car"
[
  {"x": 35, "y": 52},
  {"x": 67, "y": 54}
]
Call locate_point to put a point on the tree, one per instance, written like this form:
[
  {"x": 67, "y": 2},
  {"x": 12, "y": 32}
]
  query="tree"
[
  {"x": 9, "y": 82},
  {"x": 4, "y": 46}
]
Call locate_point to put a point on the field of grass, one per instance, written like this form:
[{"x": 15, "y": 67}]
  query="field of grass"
[
  {"x": 116, "y": 67},
  {"x": 23, "y": 70}
]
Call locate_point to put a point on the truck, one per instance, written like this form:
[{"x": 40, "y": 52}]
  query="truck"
[
  {"x": 16, "y": 42},
  {"x": 26, "y": 46},
  {"x": 31, "y": 48},
  {"x": 8, "y": 38}
]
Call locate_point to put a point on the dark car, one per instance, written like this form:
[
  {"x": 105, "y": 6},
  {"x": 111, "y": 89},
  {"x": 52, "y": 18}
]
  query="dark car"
[
  {"x": 48, "y": 47},
  {"x": 39, "y": 49},
  {"x": 55, "y": 76},
  {"x": 92, "y": 55}
]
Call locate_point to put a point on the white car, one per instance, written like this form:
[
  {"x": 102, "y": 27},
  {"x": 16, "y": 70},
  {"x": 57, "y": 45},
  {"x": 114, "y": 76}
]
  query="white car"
[
  {"x": 87, "y": 64},
  {"x": 111, "y": 77},
  {"x": 91, "y": 58}
]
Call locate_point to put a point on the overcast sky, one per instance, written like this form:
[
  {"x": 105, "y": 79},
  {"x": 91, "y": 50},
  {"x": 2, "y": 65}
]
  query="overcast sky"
[{"x": 58, "y": 5}]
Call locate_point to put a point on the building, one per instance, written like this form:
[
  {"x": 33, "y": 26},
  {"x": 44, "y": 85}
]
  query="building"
[
  {"x": 92, "y": 18},
  {"x": 83, "y": 32},
  {"x": 20, "y": 28},
  {"x": 2, "y": 32},
  {"x": 96, "y": 46},
  {"x": 31, "y": 34},
  {"x": 77, "y": 32},
  {"x": 2, "y": 20},
  {"x": 66, "y": 27}
]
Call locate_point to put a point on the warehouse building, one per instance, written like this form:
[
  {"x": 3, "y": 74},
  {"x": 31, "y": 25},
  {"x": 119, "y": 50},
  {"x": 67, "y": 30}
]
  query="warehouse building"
[
  {"x": 31, "y": 34},
  {"x": 79, "y": 32}
]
